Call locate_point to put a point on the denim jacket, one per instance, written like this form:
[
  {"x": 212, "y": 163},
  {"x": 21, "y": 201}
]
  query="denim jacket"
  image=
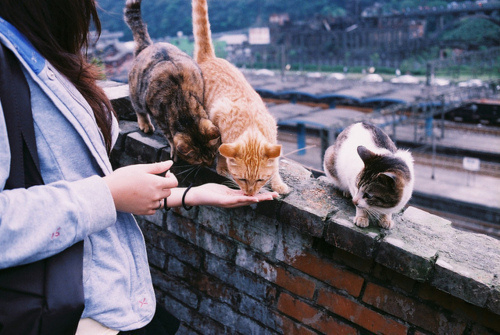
[{"x": 74, "y": 204}]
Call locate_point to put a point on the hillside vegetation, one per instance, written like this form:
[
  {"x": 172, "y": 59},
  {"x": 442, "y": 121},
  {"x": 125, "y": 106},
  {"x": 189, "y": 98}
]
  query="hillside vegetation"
[{"x": 167, "y": 17}]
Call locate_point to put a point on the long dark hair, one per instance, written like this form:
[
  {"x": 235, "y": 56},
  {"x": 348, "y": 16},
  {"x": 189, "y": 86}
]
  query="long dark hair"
[{"x": 59, "y": 29}]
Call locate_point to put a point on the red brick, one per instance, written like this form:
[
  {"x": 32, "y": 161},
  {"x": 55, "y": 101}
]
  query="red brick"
[
  {"x": 352, "y": 261},
  {"x": 215, "y": 289},
  {"x": 359, "y": 314},
  {"x": 290, "y": 327},
  {"x": 311, "y": 316},
  {"x": 295, "y": 284},
  {"x": 329, "y": 273},
  {"x": 411, "y": 310}
]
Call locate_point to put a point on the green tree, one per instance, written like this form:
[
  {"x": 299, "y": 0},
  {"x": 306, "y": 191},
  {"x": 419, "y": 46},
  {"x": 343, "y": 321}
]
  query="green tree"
[{"x": 475, "y": 31}]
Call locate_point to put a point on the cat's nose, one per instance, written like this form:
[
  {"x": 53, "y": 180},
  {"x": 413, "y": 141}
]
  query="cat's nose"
[
  {"x": 355, "y": 201},
  {"x": 250, "y": 191}
]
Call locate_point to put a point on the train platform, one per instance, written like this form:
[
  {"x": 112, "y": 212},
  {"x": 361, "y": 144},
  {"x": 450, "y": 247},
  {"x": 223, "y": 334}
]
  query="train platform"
[
  {"x": 465, "y": 193},
  {"x": 482, "y": 141}
]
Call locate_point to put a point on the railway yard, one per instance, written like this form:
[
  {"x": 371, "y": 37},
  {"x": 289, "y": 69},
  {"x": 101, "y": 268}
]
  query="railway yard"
[{"x": 444, "y": 184}]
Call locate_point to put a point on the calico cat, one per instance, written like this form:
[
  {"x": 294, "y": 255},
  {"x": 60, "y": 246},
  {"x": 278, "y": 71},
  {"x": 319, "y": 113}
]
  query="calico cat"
[
  {"x": 166, "y": 83},
  {"x": 365, "y": 162},
  {"x": 249, "y": 149}
]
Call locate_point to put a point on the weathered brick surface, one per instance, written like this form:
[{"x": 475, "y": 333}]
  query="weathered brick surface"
[
  {"x": 311, "y": 316},
  {"x": 260, "y": 312},
  {"x": 178, "y": 290},
  {"x": 183, "y": 251},
  {"x": 493, "y": 303},
  {"x": 329, "y": 273},
  {"x": 298, "y": 284},
  {"x": 256, "y": 263},
  {"x": 411, "y": 310},
  {"x": 459, "y": 307},
  {"x": 359, "y": 314},
  {"x": 311, "y": 214},
  {"x": 467, "y": 264},
  {"x": 197, "y": 321},
  {"x": 242, "y": 280},
  {"x": 298, "y": 265},
  {"x": 241, "y": 226},
  {"x": 344, "y": 235},
  {"x": 388, "y": 276},
  {"x": 291, "y": 327}
]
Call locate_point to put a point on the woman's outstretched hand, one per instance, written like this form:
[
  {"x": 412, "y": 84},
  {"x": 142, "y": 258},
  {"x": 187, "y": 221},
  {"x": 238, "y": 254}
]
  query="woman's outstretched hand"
[
  {"x": 138, "y": 189},
  {"x": 222, "y": 196}
]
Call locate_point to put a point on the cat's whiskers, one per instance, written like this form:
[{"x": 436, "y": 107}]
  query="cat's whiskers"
[
  {"x": 230, "y": 183},
  {"x": 298, "y": 150},
  {"x": 195, "y": 169},
  {"x": 373, "y": 213},
  {"x": 188, "y": 170}
]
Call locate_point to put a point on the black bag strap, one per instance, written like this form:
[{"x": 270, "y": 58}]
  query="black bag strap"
[{"x": 24, "y": 165}]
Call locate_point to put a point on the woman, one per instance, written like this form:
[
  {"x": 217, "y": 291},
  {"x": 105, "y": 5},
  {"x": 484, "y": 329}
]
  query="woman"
[{"x": 83, "y": 199}]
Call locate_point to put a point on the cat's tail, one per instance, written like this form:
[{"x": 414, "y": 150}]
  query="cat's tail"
[
  {"x": 203, "y": 47},
  {"x": 133, "y": 18}
]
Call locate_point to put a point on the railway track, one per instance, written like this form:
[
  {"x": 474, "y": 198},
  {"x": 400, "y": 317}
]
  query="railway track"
[
  {"x": 478, "y": 129},
  {"x": 465, "y": 127},
  {"x": 456, "y": 164},
  {"x": 440, "y": 161}
]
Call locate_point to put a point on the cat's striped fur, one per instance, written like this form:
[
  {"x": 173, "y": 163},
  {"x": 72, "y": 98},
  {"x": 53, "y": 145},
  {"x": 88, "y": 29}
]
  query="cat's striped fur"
[
  {"x": 248, "y": 131},
  {"x": 166, "y": 83}
]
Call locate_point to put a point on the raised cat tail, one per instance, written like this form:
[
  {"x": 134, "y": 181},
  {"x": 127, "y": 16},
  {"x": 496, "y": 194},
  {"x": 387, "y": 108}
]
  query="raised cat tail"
[
  {"x": 203, "y": 47},
  {"x": 133, "y": 18}
]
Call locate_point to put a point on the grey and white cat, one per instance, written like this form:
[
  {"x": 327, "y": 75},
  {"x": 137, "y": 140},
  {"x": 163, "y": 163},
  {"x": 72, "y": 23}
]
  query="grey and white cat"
[{"x": 365, "y": 162}]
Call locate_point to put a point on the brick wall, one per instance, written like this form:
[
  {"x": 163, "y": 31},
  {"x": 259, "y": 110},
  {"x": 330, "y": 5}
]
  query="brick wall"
[{"x": 299, "y": 266}]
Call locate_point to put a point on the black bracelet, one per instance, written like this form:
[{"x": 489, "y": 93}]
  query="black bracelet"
[
  {"x": 165, "y": 211},
  {"x": 184, "y": 197},
  {"x": 165, "y": 208}
]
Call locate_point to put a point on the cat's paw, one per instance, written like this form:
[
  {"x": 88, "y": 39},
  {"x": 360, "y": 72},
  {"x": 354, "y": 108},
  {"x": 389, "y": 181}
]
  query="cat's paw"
[
  {"x": 361, "y": 221},
  {"x": 281, "y": 188},
  {"x": 386, "y": 222},
  {"x": 146, "y": 127}
]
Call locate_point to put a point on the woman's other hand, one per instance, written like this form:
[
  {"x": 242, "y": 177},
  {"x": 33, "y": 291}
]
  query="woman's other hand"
[{"x": 138, "y": 189}]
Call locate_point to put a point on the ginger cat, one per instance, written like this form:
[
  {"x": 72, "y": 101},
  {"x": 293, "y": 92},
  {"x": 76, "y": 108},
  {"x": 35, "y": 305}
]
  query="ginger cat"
[{"x": 250, "y": 153}]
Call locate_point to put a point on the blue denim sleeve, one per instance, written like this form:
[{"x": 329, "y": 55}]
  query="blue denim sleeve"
[{"x": 44, "y": 220}]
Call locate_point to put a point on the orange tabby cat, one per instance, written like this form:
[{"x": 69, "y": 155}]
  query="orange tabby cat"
[{"x": 248, "y": 131}]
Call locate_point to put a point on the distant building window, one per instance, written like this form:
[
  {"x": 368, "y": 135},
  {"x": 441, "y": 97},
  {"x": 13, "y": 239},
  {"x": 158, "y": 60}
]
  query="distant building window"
[{"x": 259, "y": 36}]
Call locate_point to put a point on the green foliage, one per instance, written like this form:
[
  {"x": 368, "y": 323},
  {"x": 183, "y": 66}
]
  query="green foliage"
[
  {"x": 475, "y": 31},
  {"x": 167, "y": 17},
  {"x": 98, "y": 62},
  {"x": 187, "y": 46}
]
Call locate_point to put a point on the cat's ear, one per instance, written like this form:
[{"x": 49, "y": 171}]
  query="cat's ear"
[
  {"x": 365, "y": 154},
  {"x": 389, "y": 177},
  {"x": 229, "y": 150},
  {"x": 273, "y": 150},
  {"x": 209, "y": 130},
  {"x": 181, "y": 146}
]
